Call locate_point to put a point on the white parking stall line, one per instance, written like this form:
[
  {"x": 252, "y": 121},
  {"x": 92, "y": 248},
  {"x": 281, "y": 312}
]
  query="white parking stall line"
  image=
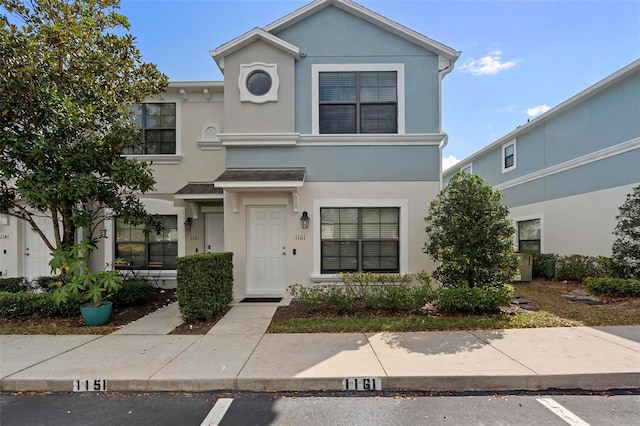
[
  {"x": 557, "y": 409},
  {"x": 217, "y": 412}
]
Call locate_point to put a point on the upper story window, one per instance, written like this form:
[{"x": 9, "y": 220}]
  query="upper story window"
[
  {"x": 357, "y": 98},
  {"x": 258, "y": 82},
  {"x": 509, "y": 156},
  {"x": 157, "y": 123},
  {"x": 467, "y": 169},
  {"x": 358, "y": 102}
]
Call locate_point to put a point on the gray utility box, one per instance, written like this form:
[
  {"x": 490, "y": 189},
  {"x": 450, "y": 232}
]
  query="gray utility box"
[{"x": 525, "y": 267}]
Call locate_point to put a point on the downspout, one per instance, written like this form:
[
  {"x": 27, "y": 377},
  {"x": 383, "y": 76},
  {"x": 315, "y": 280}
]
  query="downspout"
[{"x": 441, "y": 74}]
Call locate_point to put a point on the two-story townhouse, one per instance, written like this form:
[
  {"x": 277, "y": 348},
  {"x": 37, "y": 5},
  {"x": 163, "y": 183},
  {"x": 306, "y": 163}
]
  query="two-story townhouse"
[
  {"x": 318, "y": 153},
  {"x": 565, "y": 173}
]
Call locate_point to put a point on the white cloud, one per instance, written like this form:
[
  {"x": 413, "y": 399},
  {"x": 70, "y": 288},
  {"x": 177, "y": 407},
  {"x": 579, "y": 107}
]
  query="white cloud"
[
  {"x": 537, "y": 110},
  {"x": 449, "y": 161},
  {"x": 490, "y": 64},
  {"x": 509, "y": 108}
]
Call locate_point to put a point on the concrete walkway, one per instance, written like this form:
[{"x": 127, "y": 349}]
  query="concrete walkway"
[{"x": 237, "y": 355}]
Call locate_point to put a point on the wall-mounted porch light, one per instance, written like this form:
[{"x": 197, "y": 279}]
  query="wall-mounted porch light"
[
  {"x": 304, "y": 220},
  {"x": 187, "y": 224}
]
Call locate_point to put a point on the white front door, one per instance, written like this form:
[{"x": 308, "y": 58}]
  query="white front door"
[
  {"x": 266, "y": 255},
  {"x": 36, "y": 253},
  {"x": 214, "y": 228}
]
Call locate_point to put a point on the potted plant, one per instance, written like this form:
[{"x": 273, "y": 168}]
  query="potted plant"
[{"x": 76, "y": 278}]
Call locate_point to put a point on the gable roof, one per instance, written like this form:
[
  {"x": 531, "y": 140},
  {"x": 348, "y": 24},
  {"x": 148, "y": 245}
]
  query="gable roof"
[
  {"x": 444, "y": 51},
  {"x": 447, "y": 55},
  {"x": 250, "y": 37},
  {"x": 612, "y": 79}
]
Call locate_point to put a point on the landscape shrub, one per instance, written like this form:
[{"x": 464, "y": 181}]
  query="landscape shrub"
[
  {"x": 13, "y": 285},
  {"x": 577, "y": 267},
  {"x": 615, "y": 287},
  {"x": 44, "y": 283},
  {"x": 134, "y": 292},
  {"x": 626, "y": 246},
  {"x": 205, "y": 285},
  {"x": 390, "y": 292},
  {"x": 472, "y": 300},
  {"x": 25, "y": 304}
]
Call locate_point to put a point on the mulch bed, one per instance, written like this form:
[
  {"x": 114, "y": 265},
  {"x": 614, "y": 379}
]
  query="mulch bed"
[{"x": 119, "y": 317}]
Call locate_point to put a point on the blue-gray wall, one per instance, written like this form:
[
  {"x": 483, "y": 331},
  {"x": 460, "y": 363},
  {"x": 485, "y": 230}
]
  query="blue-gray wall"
[
  {"x": 345, "y": 163},
  {"x": 608, "y": 118},
  {"x": 336, "y": 37}
]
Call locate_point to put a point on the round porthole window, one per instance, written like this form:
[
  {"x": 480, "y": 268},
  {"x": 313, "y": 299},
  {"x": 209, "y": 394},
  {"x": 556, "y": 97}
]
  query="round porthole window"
[{"x": 259, "y": 83}]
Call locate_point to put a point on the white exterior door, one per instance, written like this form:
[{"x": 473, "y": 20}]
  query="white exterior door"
[
  {"x": 36, "y": 253},
  {"x": 266, "y": 255},
  {"x": 214, "y": 228}
]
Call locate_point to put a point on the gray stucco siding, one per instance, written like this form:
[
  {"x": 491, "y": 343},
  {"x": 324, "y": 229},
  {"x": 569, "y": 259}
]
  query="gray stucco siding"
[
  {"x": 323, "y": 40},
  {"x": 345, "y": 163}
]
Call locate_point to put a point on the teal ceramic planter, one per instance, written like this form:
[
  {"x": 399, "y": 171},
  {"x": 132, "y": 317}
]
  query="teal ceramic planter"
[{"x": 94, "y": 316}]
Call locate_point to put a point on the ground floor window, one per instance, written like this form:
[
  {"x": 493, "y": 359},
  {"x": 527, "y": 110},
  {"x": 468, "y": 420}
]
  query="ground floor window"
[
  {"x": 151, "y": 250},
  {"x": 360, "y": 239},
  {"x": 529, "y": 236}
]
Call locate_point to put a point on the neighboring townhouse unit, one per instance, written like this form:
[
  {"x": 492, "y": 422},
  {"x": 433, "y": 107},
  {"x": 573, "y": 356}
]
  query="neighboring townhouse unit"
[
  {"x": 318, "y": 153},
  {"x": 565, "y": 173}
]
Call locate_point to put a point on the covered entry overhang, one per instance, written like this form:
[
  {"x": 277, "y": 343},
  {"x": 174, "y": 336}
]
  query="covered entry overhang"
[
  {"x": 233, "y": 181},
  {"x": 194, "y": 194}
]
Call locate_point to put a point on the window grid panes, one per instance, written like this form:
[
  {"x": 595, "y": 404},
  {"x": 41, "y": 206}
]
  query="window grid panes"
[
  {"x": 358, "y": 102},
  {"x": 155, "y": 251},
  {"x": 509, "y": 156},
  {"x": 157, "y": 123},
  {"x": 529, "y": 236},
  {"x": 360, "y": 239}
]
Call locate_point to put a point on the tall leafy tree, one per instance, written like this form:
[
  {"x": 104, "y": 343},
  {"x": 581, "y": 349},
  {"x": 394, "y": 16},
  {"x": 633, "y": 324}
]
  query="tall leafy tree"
[
  {"x": 69, "y": 73},
  {"x": 626, "y": 247},
  {"x": 470, "y": 234}
]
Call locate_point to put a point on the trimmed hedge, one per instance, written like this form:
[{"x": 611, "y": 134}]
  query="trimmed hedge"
[
  {"x": 133, "y": 292},
  {"x": 615, "y": 287},
  {"x": 25, "y": 304},
  {"x": 13, "y": 285},
  {"x": 472, "y": 300},
  {"x": 577, "y": 267},
  {"x": 205, "y": 285}
]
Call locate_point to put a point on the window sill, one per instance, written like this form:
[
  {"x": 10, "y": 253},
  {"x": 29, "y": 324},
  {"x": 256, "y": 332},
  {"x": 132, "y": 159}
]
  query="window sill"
[
  {"x": 325, "y": 278},
  {"x": 158, "y": 159}
]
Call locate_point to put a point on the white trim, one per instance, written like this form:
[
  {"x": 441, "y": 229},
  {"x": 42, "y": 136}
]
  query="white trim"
[
  {"x": 246, "y": 39},
  {"x": 373, "y": 18},
  {"x": 199, "y": 196},
  {"x": 246, "y": 70},
  {"x": 467, "y": 166},
  {"x": 401, "y": 203},
  {"x": 515, "y": 156},
  {"x": 524, "y": 218},
  {"x": 590, "y": 91},
  {"x": 576, "y": 162},
  {"x": 258, "y": 139},
  {"x": 316, "y": 69},
  {"x": 368, "y": 139}
]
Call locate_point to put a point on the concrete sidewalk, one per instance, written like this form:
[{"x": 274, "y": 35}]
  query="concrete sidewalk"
[{"x": 237, "y": 355}]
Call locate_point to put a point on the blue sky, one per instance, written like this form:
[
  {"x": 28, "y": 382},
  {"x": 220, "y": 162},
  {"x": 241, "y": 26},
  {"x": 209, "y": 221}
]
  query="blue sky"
[{"x": 519, "y": 58}]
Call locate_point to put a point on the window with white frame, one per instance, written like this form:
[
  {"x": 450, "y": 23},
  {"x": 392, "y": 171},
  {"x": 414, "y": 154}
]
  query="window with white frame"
[
  {"x": 358, "y": 102},
  {"x": 157, "y": 123},
  {"x": 529, "y": 236},
  {"x": 467, "y": 169},
  {"x": 357, "y": 98},
  {"x": 258, "y": 82},
  {"x": 360, "y": 239},
  {"x": 142, "y": 250},
  {"x": 509, "y": 156}
]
